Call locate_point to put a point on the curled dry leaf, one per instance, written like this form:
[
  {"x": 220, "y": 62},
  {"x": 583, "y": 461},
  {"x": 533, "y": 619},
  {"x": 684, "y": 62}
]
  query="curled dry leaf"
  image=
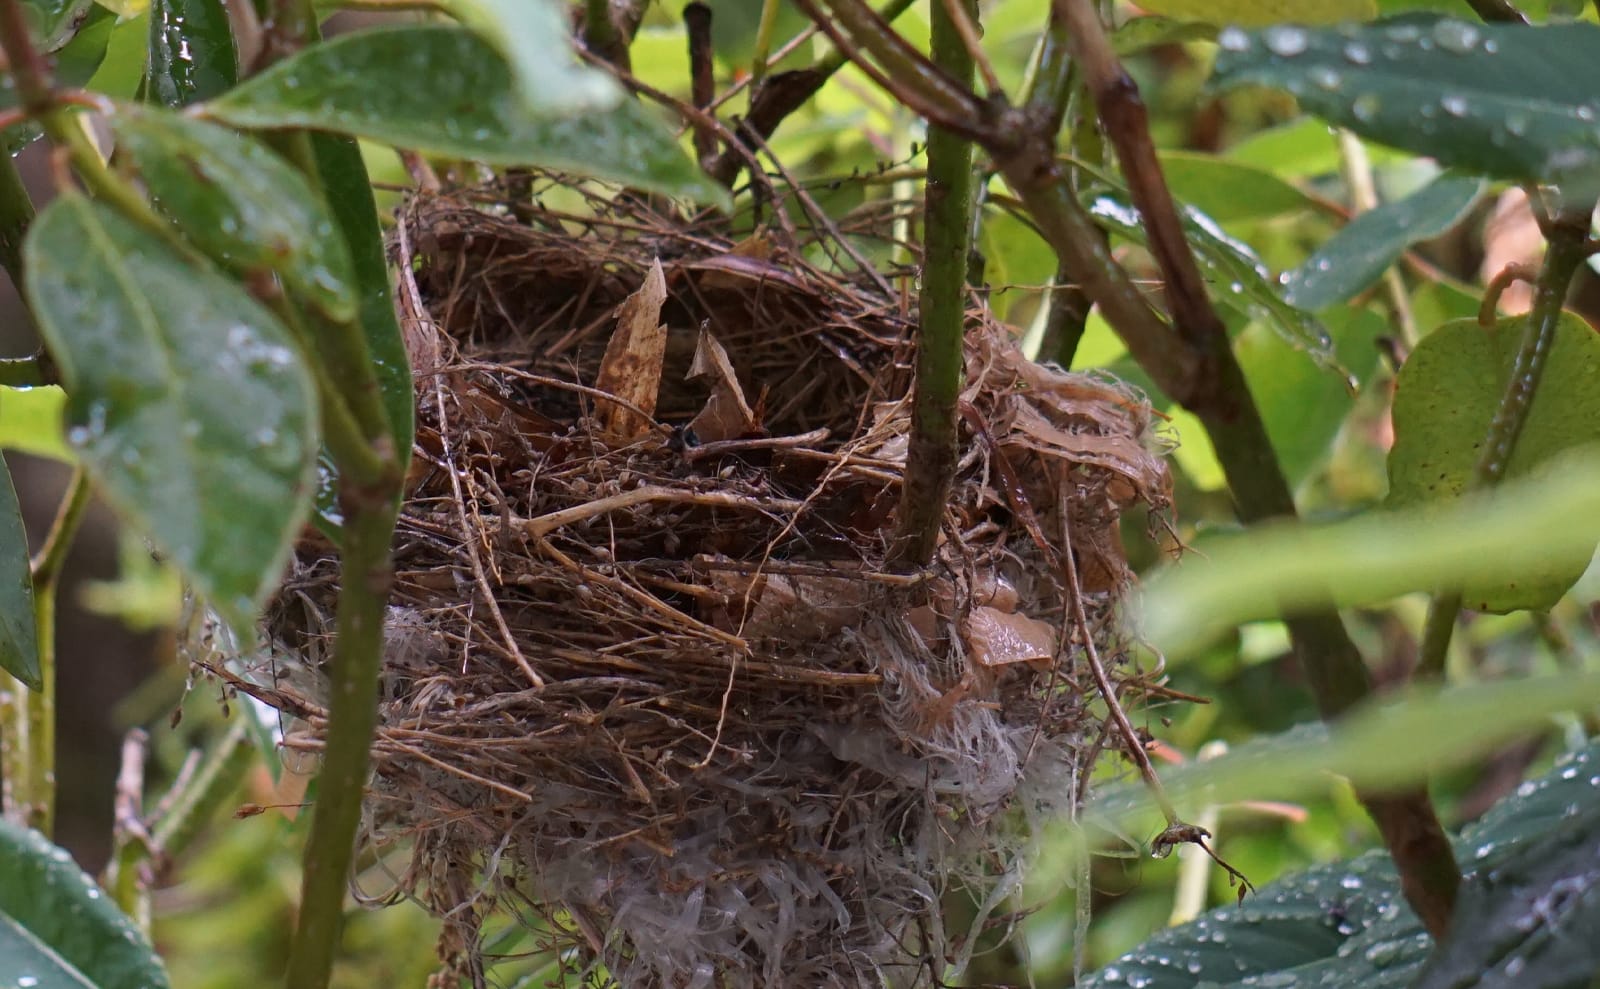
[
  {"x": 631, "y": 369},
  {"x": 726, "y": 415},
  {"x": 996, "y": 638}
]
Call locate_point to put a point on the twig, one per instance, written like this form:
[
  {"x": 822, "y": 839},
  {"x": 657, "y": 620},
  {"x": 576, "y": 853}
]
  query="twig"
[
  {"x": 941, "y": 336},
  {"x": 1497, "y": 10},
  {"x": 470, "y": 541},
  {"x": 702, "y": 80},
  {"x": 1566, "y": 252}
]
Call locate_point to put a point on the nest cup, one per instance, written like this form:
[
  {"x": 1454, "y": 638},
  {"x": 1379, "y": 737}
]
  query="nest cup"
[{"x": 648, "y": 678}]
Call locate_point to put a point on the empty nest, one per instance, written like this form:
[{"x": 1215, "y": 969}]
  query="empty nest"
[{"x": 647, "y": 672}]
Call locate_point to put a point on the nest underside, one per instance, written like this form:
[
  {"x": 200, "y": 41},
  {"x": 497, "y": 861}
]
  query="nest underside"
[{"x": 661, "y": 689}]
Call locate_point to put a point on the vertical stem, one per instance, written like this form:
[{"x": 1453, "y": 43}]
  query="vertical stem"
[
  {"x": 931, "y": 459},
  {"x": 352, "y": 718},
  {"x": 16, "y": 213},
  {"x": 41, "y": 703},
  {"x": 763, "y": 46},
  {"x": 702, "y": 80},
  {"x": 1562, "y": 258}
]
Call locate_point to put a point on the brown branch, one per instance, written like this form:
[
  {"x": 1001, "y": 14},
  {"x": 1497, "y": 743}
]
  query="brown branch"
[
  {"x": 1497, "y": 11},
  {"x": 702, "y": 77}
]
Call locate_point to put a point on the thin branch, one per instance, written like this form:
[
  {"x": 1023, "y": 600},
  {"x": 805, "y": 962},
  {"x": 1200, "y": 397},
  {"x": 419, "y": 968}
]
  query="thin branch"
[
  {"x": 774, "y": 98},
  {"x": 1497, "y": 11},
  {"x": 941, "y": 335},
  {"x": 702, "y": 78},
  {"x": 1566, "y": 252}
]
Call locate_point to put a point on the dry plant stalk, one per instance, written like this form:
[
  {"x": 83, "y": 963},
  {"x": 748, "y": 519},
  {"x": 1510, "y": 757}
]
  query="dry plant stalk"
[{"x": 648, "y": 682}]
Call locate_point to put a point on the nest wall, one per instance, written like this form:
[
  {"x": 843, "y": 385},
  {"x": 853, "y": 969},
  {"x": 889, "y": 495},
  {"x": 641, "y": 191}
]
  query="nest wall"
[{"x": 648, "y": 677}]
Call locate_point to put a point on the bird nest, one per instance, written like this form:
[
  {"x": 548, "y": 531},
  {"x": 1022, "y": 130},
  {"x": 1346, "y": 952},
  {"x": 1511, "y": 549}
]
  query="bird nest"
[{"x": 647, "y": 668}]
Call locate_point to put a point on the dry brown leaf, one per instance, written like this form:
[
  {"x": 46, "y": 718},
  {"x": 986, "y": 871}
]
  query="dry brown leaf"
[
  {"x": 631, "y": 369},
  {"x": 726, "y": 415},
  {"x": 1118, "y": 452},
  {"x": 998, "y": 639}
]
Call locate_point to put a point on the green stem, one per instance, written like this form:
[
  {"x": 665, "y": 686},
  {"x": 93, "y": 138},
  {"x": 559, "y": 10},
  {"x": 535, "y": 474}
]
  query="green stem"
[
  {"x": 1440, "y": 625},
  {"x": 41, "y": 704},
  {"x": 197, "y": 803},
  {"x": 763, "y": 46},
  {"x": 16, "y": 213},
  {"x": 1566, "y": 252},
  {"x": 352, "y": 718},
  {"x": 931, "y": 460}
]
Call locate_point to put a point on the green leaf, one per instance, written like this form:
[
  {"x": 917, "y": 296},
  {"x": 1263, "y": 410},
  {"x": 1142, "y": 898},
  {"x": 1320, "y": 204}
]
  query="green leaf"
[
  {"x": 240, "y": 203},
  {"x": 75, "y": 64},
  {"x": 534, "y": 38},
  {"x": 1257, "y": 12},
  {"x": 53, "y": 23},
  {"x": 19, "y": 642},
  {"x": 30, "y": 422},
  {"x": 192, "y": 56},
  {"x": 1502, "y": 99},
  {"x": 58, "y": 927},
  {"x": 1359, "y": 254},
  {"x": 1522, "y": 529},
  {"x": 121, "y": 74},
  {"x": 189, "y": 403},
  {"x": 1302, "y": 405},
  {"x": 1347, "y": 926},
  {"x": 1238, "y": 279},
  {"x": 1446, "y": 396},
  {"x": 344, "y": 182},
  {"x": 1229, "y": 191},
  {"x": 364, "y": 84}
]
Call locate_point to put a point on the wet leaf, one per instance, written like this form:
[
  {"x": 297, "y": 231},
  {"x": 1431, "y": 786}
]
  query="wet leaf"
[
  {"x": 57, "y": 927},
  {"x": 192, "y": 56},
  {"x": 534, "y": 38},
  {"x": 1521, "y": 530},
  {"x": 240, "y": 203},
  {"x": 1363, "y": 250},
  {"x": 364, "y": 84},
  {"x": 349, "y": 193},
  {"x": 1446, "y": 396},
  {"x": 1347, "y": 926},
  {"x": 55, "y": 22},
  {"x": 75, "y": 65},
  {"x": 631, "y": 368},
  {"x": 1303, "y": 406},
  {"x": 1238, "y": 279},
  {"x": 1253, "y": 13},
  {"x": 1506, "y": 100},
  {"x": 30, "y": 422},
  {"x": 19, "y": 643},
  {"x": 1230, "y": 191},
  {"x": 188, "y": 401}
]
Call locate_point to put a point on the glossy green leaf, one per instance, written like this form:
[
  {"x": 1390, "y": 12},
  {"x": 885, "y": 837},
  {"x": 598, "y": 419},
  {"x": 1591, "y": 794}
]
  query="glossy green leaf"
[
  {"x": 1363, "y": 250},
  {"x": 19, "y": 642},
  {"x": 344, "y": 181},
  {"x": 1238, "y": 279},
  {"x": 192, "y": 56},
  {"x": 1513, "y": 924},
  {"x": 1520, "y": 531},
  {"x": 31, "y": 422},
  {"x": 535, "y": 38},
  {"x": 1510, "y": 101},
  {"x": 1347, "y": 926},
  {"x": 364, "y": 84},
  {"x": 59, "y": 928},
  {"x": 121, "y": 74},
  {"x": 1302, "y": 405},
  {"x": 188, "y": 401},
  {"x": 240, "y": 203},
  {"x": 1257, "y": 12},
  {"x": 54, "y": 22},
  {"x": 75, "y": 64},
  {"x": 1446, "y": 396},
  {"x": 1229, "y": 191}
]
